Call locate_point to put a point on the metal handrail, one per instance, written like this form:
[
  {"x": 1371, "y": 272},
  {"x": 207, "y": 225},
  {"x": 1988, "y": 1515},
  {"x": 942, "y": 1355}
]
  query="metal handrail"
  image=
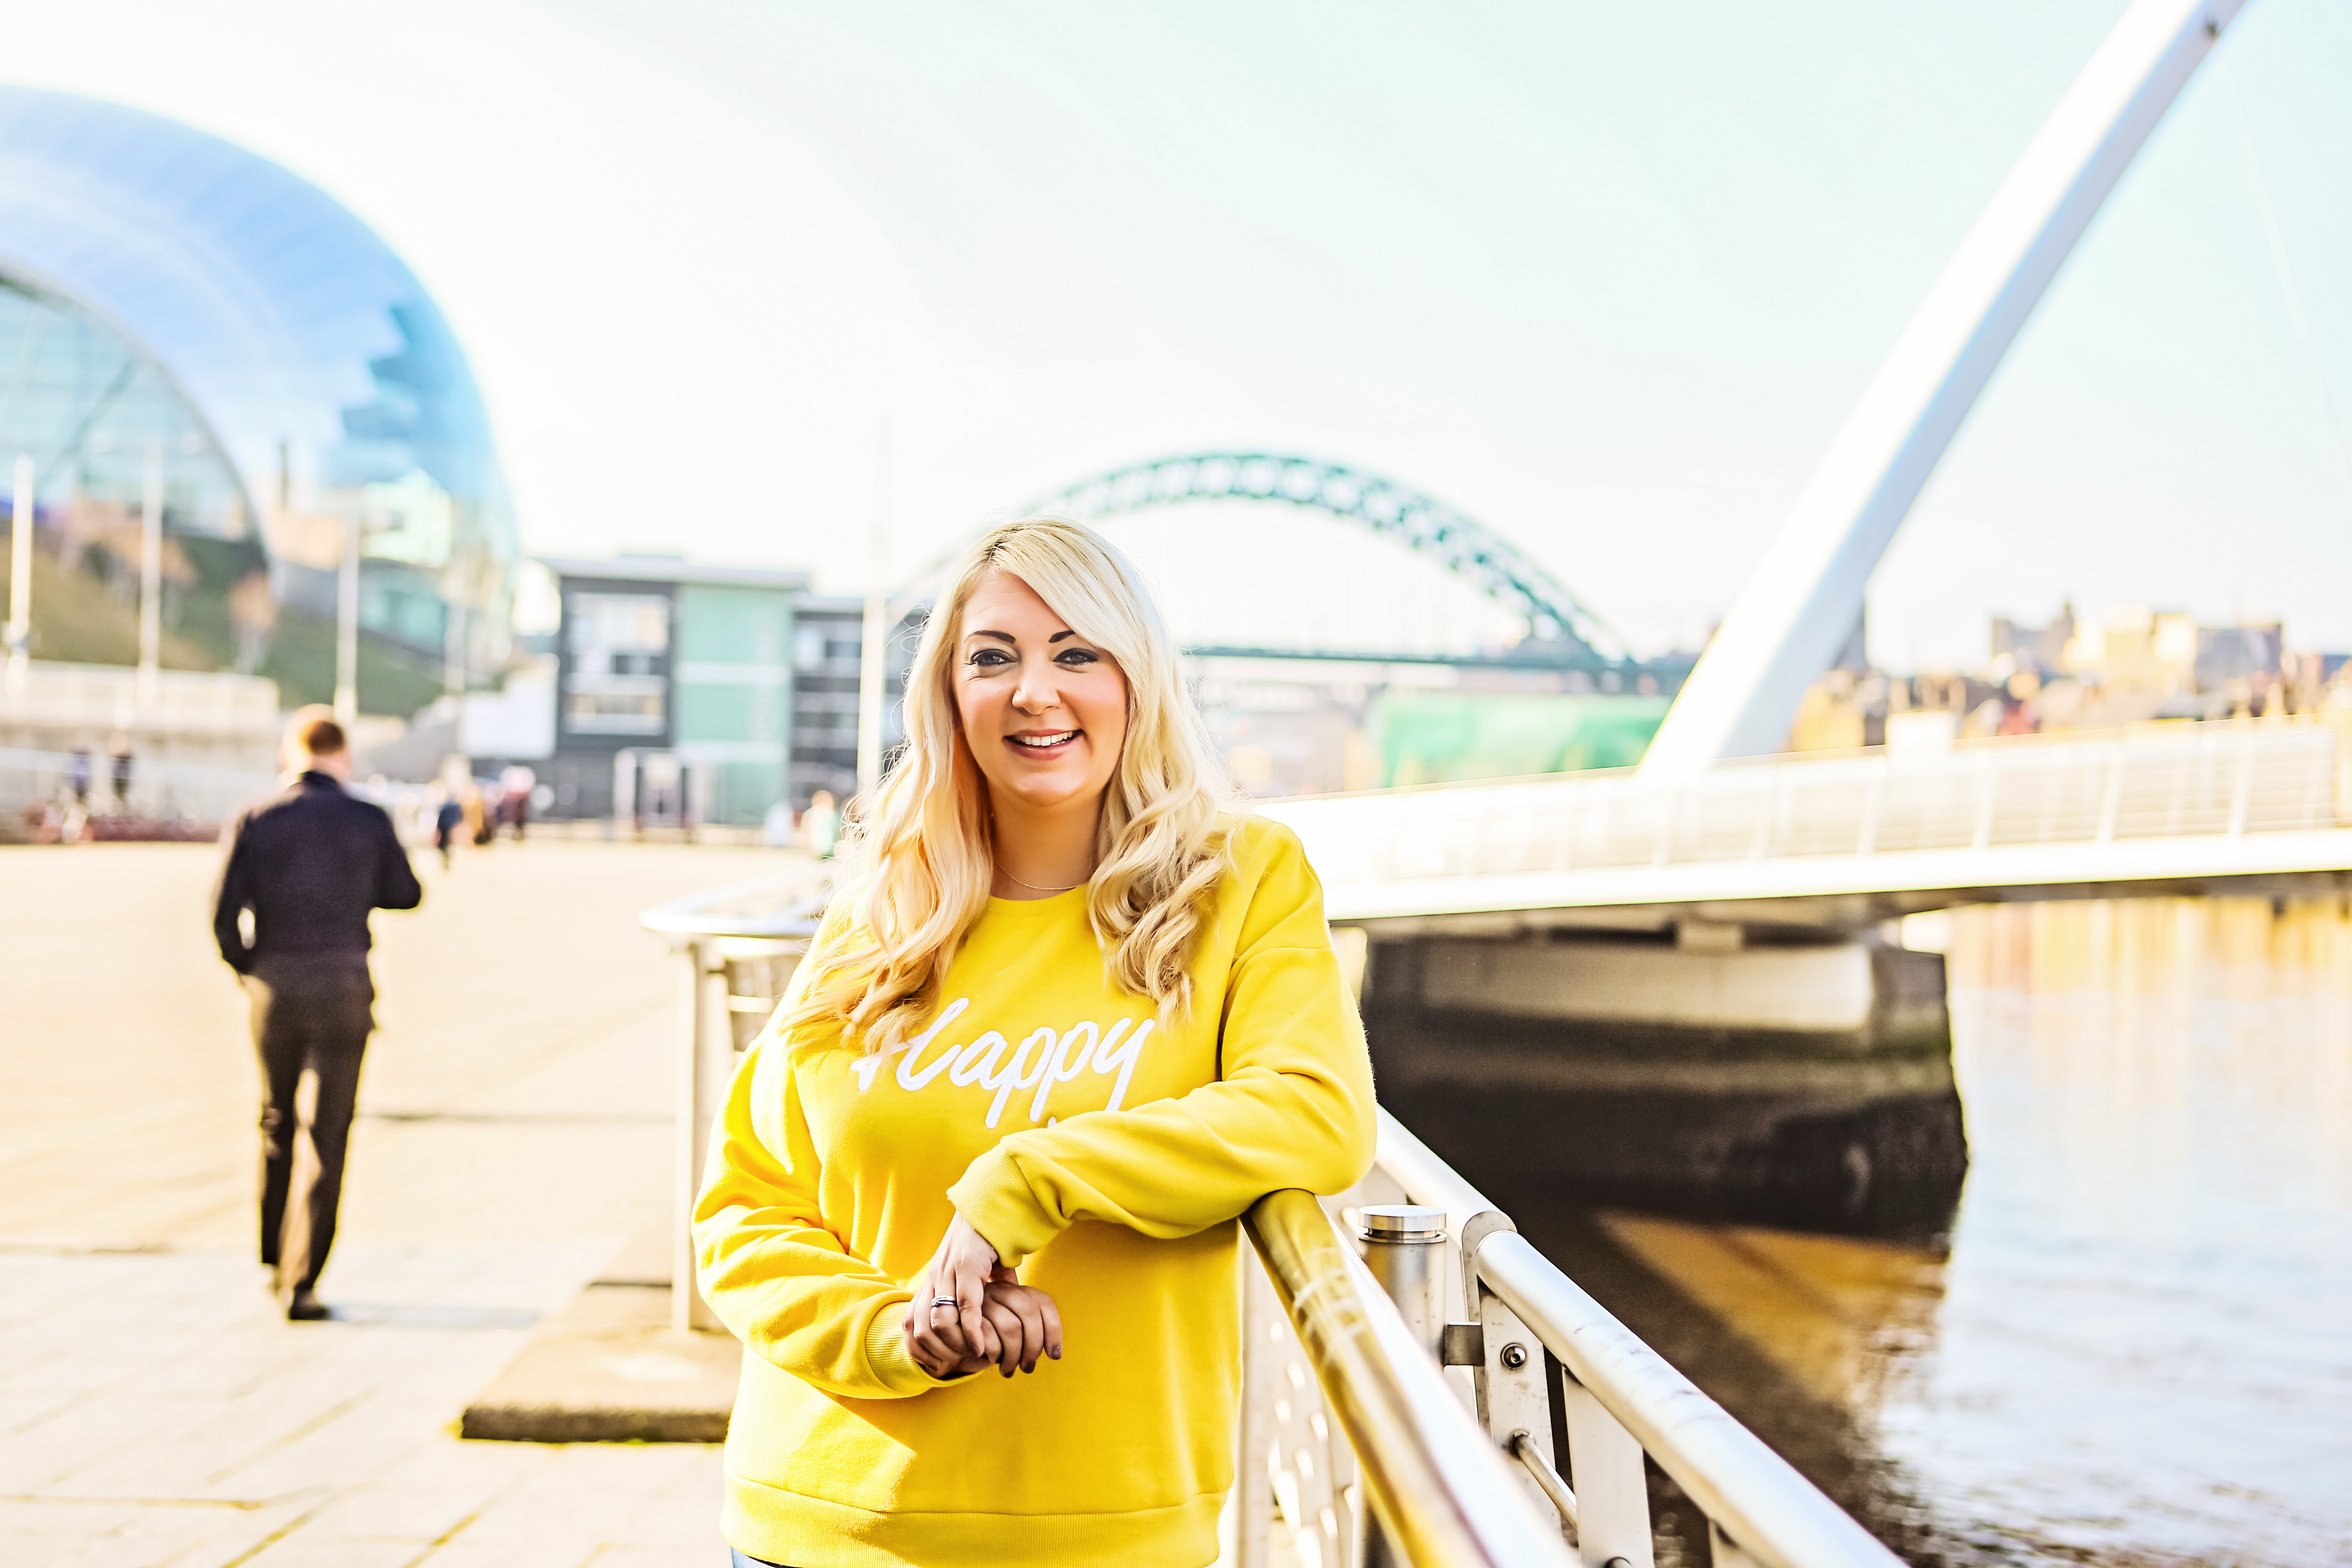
[
  {"x": 1435, "y": 1482},
  {"x": 768, "y": 908},
  {"x": 768, "y": 916},
  {"x": 1749, "y": 1492}
]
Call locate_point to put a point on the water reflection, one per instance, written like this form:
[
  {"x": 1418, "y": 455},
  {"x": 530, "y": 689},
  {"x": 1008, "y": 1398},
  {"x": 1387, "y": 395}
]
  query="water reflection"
[{"x": 2136, "y": 1349}]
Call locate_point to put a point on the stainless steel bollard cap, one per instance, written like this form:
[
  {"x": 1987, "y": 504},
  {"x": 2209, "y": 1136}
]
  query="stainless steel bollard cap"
[{"x": 1401, "y": 1222}]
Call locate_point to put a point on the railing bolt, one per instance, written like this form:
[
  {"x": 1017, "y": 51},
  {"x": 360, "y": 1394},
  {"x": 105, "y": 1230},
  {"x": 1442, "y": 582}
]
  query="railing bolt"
[{"x": 1515, "y": 1356}]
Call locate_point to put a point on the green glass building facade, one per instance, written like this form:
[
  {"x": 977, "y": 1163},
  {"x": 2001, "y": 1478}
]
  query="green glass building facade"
[{"x": 673, "y": 691}]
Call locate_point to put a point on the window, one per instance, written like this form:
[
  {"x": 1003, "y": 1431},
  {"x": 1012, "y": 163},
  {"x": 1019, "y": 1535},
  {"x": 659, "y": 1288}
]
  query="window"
[
  {"x": 619, "y": 681},
  {"x": 600, "y": 711},
  {"x": 619, "y": 622}
]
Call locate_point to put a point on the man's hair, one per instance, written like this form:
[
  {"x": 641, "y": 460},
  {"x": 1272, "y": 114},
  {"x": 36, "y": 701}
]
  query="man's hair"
[{"x": 314, "y": 732}]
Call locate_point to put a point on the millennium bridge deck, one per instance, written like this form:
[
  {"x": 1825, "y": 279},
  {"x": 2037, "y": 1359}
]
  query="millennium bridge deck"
[{"x": 1844, "y": 840}]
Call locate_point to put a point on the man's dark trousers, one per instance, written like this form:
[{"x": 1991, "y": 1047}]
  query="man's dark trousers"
[
  {"x": 305, "y": 868},
  {"x": 307, "y": 1016}
]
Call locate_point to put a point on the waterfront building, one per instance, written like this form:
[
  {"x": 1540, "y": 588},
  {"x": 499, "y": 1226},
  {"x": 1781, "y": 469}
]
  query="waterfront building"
[
  {"x": 2042, "y": 648},
  {"x": 187, "y": 322},
  {"x": 674, "y": 689},
  {"x": 2130, "y": 665}
]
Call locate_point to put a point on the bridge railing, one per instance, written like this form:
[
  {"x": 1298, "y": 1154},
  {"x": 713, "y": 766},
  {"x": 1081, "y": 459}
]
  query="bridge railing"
[
  {"x": 2169, "y": 781},
  {"x": 1399, "y": 1403}
]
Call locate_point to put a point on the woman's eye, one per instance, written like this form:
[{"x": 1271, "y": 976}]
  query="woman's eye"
[
  {"x": 1076, "y": 655},
  {"x": 989, "y": 659}
]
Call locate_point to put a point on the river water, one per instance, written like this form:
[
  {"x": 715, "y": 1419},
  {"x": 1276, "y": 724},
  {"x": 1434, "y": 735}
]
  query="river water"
[{"x": 2135, "y": 1346}]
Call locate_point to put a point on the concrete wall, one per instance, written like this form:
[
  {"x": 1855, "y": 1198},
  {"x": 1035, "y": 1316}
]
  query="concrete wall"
[
  {"x": 1806, "y": 988},
  {"x": 185, "y": 716},
  {"x": 201, "y": 744}
]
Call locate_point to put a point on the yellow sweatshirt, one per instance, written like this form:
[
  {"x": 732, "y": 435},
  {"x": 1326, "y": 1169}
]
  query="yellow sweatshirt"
[{"x": 1105, "y": 1151}]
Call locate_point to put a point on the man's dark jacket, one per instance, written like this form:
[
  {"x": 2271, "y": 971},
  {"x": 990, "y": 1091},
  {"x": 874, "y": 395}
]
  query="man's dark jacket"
[{"x": 310, "y": 864}]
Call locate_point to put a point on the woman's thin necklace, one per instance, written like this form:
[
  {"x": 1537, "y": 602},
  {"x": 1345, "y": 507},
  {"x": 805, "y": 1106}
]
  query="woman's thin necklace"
[{"x": 1033, "y": 886}]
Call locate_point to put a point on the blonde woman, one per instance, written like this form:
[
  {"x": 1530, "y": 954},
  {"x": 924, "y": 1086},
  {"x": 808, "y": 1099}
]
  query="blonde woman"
[{"x": 971, "y": 1203}]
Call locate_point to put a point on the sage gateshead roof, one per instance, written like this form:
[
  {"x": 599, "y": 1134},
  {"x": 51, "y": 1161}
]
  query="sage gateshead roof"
[{"x": 175, "y": 308}]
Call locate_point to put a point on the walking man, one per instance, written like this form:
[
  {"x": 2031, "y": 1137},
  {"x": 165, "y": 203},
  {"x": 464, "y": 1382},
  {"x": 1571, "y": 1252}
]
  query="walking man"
[{"x": 309, "y": 865}]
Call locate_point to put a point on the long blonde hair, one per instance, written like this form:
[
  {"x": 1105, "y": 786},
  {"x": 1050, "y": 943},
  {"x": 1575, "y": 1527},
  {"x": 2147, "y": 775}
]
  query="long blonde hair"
[{"x": 921, "y": 858}]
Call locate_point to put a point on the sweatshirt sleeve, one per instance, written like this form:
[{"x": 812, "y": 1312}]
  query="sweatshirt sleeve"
[
  {"x": 772, "y": 1269},
  {"x": 1293, "y": 1106}
]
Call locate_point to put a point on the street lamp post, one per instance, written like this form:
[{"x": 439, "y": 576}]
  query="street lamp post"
[
  {"x": 347, "y": 624},
  {"x": 873, "y": 648},
  {"x": 151, "y": 574},
  {"x": 20, "y": 573}
]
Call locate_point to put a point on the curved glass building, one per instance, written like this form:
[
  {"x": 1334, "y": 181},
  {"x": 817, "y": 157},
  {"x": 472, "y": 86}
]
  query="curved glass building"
[{"x": 175, "y": 308}]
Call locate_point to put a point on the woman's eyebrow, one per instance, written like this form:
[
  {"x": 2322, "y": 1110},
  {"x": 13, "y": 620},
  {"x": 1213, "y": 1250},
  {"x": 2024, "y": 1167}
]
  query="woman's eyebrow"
[
  {"x": 1057, "y": 636},
  {"x": 1001, "y": 637}
]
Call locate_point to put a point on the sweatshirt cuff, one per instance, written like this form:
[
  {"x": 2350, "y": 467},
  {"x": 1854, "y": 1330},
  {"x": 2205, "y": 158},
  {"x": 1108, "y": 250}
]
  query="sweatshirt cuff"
[
  {"x": 895, "y": 1366},
  {"x": 995, "y": 1200}
]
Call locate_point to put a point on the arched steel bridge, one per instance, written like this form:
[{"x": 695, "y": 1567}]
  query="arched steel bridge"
[{"x": 1560, "y": 630}]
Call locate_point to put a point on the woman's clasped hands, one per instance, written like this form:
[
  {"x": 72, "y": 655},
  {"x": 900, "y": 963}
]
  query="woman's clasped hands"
[{"x": 971, "y": 1310}]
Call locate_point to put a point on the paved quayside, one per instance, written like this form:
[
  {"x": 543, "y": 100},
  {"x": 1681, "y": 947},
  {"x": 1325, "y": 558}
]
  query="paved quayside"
[{"x": 514, "y": 1132}]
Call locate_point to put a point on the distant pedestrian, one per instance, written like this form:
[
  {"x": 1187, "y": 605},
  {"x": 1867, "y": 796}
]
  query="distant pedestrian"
[
  {"x": 515, "y": 783},
  {"x": 447, "y": 818},
  {"x": 480, "y": 826},
  {"x": 119, "y": 751},
  {"x": 821, "y": 825},
  {"x": 309, "y": 865},
  {"x": 77, "y": 774}
]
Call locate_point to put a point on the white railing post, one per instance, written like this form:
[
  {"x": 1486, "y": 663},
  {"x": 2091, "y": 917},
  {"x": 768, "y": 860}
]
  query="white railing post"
[
  {"x": 1258, "y": 1454},
  {"x": 2317, "y": 776},
  {"x": 2111, "y": 806},
  {"x": 1293, "y": 1464},
  {"x": 688, "y": 1310},
  {"x": 1514, "y": 1398},
  {"x": 1873, "y": 803},
  {"x": 1404, "y": 1247},
  {"x": 1768, "y": 815},
  {"x": 2241, "y": 793},
  {"x": 1612, "y": 1495},
  {"x": 1988, "y": 794}
]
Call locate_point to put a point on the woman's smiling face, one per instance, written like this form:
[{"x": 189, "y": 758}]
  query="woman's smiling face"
[{"x": 1043, "y": 711}]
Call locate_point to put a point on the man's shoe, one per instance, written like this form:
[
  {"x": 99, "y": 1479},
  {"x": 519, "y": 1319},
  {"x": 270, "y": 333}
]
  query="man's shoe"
[{"x": 304, "y": 1307}]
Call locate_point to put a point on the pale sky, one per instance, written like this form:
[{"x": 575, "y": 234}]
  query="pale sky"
[{"x": 1606, "y": 278}]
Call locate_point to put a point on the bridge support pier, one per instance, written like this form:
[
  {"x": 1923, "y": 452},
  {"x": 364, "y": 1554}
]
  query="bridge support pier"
[{"x": 1712, "y": 1072}]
